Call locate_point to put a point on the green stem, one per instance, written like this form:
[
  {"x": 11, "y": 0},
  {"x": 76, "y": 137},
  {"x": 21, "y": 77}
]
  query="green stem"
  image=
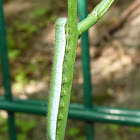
[
  {"x": 73, "y": 37},
  {"x": 94, "y": 16}
]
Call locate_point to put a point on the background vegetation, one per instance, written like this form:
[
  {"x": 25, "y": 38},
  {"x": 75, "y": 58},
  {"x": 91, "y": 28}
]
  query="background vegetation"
[{"x": 115, "y": 64}]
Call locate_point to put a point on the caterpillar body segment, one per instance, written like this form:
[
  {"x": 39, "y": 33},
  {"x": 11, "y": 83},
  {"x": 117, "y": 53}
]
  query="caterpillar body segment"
[{"x": 57, "y": 81}]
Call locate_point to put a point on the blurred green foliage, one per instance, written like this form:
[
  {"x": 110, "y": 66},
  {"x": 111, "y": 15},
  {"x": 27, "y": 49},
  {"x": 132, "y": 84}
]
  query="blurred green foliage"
[
  {"x": 21, "y": 76},
  {"x": 73, "y": 131},
  {"x": 134, "y": 130},
  {"x": 117, "y": 132},
  {"x": 24, "y": 127},
  {"x": 81, "y": 138},
  {"x": 21, "y": 34},
  {"x": 112, "y": 127}
]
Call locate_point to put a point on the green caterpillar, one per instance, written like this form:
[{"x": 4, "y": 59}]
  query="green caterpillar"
[{"x": 58, "y": 79}]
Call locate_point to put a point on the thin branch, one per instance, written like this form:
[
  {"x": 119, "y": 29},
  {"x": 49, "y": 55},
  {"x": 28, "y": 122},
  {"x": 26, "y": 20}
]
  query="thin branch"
[
  {"x": 70, "y": 55},
  {"x": 94, "y": 16},
  {"x": 119, "y": 24}
]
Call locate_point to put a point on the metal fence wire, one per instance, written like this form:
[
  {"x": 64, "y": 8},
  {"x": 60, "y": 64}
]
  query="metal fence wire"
[{"x": 86, "y": 112}]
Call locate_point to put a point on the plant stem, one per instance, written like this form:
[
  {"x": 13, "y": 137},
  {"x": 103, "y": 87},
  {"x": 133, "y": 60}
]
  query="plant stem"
[
  {"x": 94, "y": 16},
  {"x": 73, "y": 37}
]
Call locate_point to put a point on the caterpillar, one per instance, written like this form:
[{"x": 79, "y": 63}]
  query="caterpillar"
[{"x": 58, "y": 79}]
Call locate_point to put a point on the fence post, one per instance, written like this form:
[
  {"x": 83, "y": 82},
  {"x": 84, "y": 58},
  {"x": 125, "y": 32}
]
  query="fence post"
[
  {"x": 6, "y": 74},
  {"x": 82, "y": 9}
]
